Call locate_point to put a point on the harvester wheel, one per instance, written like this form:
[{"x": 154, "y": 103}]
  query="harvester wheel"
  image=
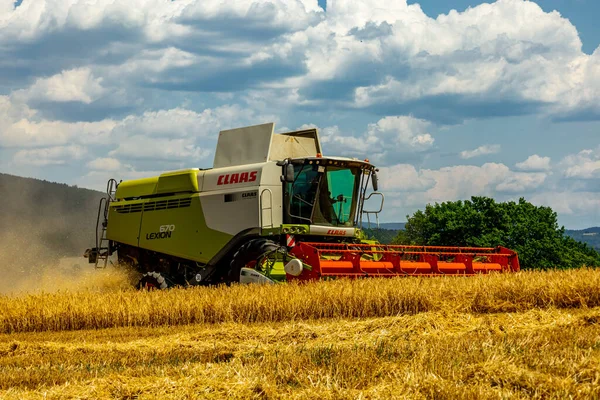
[
  {"x": 152, "y": 280},
  {"x": 248, "y": 255}
]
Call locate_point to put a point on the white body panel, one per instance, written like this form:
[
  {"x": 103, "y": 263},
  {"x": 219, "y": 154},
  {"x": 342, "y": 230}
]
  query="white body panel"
[
  {"x": 232, "y": 216},
  {"x": 257, "y": 144},
  {"x": 284, "y": 146},
  {"x": 242, "y": 146},
  {"x": 237, "y": 198},
  {"x": 249, "y": 275}
]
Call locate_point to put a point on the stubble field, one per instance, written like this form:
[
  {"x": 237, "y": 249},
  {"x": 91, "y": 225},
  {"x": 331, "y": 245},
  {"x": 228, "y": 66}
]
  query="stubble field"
[{"x": 532, "y": 334}]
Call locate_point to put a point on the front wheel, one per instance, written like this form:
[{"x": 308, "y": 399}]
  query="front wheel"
[
  {"x": 252, "y": 254},
  {"x": 152, "y": 281}
]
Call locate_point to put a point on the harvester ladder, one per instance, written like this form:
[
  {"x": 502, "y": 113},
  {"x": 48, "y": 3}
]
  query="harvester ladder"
[
  {"x": 268, "y": 209},
  {"x": 102, "y": 242}
]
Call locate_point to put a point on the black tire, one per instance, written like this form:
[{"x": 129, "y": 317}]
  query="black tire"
[
  {"x": 152, "y": 280},
  {"x": 248, "y": 252}
]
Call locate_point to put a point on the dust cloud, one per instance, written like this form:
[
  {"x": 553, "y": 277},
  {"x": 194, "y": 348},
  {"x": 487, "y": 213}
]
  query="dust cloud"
[
  {"x": 29, "y": 262},
  {"x": 67, "y": 274},
  {"x": 44, "y": 230}
]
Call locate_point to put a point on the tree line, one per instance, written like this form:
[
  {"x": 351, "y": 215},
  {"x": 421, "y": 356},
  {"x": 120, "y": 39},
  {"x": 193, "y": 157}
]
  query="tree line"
[{"x": 532, "y": 231}]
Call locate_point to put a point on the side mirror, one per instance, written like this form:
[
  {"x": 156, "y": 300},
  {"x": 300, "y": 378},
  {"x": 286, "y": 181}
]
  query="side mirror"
[
  {"x": 375, "y": 181},
  {"x": 289, "y": 173}
]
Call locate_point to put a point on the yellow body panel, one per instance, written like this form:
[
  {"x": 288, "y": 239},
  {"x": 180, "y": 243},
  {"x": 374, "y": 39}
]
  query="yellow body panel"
[{"x": 173, "y": 225}]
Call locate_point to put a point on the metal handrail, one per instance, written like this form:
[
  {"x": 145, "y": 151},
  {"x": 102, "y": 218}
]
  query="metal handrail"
[
  {"x": 111, "y": 188},
  {"x": 270, "y": 208},
  {"x": 373, "y": 212}
]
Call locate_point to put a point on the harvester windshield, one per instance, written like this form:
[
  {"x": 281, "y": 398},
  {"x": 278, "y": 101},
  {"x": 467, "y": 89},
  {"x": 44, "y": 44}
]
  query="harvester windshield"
[{"x": 324, "y": 195}]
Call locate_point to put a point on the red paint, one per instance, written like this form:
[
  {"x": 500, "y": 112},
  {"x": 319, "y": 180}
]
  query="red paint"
[
  {"x": 341, "y": 260},
  {"x": 229, "y": 179}
]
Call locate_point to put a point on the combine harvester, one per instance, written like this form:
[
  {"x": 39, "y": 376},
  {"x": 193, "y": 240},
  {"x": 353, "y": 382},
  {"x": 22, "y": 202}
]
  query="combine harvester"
[{"x": 272, "y": 208}]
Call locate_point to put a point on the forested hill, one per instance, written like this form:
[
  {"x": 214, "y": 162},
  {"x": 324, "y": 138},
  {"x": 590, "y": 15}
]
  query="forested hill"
[
  {"x": 40, "y": 220},
  {"x": 591, "y": 236},
  {"x": 393, "y": 226},
  {"x": 385, "y": 233}
]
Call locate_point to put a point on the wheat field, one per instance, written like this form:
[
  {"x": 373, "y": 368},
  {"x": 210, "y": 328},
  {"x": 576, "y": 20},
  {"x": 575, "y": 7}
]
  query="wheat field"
[{"x": 525, "y": 335}]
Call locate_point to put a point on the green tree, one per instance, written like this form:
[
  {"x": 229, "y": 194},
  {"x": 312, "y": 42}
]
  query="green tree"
[{"x": 530, "y": 230}]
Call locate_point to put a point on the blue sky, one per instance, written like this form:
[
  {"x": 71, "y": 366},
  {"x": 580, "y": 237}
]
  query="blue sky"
[{"x": 450, "y": 98}]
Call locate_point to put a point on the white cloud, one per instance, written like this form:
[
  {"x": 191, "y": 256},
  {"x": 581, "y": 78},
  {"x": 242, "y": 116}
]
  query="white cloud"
[
  {"x": 373, "y": 53},
  {"x": 383, "y": 141},
  {"x": 163, "y": 139},
  {"x": 534, "y": 163},
  {"x": 34, "y": 133},
  {"x": 480, "y": 151},
  {"x": 180, "y": 122},
  {"x": 408, "y": 188},
  {"x": 176, "y": 135},
  {"x": 583, "y": 165},
  {"x": 159, "y": 149},
  {"x": 456, "y": 182},
  {"x": 464, "y": 181},
  {"x": 520, "y": 182},
  {"x": 464, "y": 54},
  {"x": 33, "y": 19},
  {"x": 57, "y": 155},
  {"x": 21, "y": 126},
  {"x": 150, "y": 62},
  {"x": 177, "y": 122},
  {"x": 73, "y": 85},
  {"x": 105, "y": 164},
  {"x": 403, "y": 131},
  {"x": 570, "y": 203},
  {"x": 286, "y": 14},
  {"x": 526, "y": 56},
  {"x": 10, "y": 112},
  {"x": 6, "y": 6},
  {"x": 403, "y": 177},
  {"x": 580, "y": 101}
]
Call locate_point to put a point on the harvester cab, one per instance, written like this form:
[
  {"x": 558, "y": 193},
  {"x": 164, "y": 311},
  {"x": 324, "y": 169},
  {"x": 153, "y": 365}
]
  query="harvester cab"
[
  {"x": 272, "y": 208},
  {"x": 326, "y": 191}
]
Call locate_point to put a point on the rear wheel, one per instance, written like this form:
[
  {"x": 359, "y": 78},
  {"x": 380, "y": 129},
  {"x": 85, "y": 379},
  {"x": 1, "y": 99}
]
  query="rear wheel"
[
  {"x": 152, "y": 281},
  {"x": 256, "y": 254}
]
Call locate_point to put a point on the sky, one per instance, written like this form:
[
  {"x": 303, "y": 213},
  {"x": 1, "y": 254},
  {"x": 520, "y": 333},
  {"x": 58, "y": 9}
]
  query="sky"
[{"x": 450, "y": 99}]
